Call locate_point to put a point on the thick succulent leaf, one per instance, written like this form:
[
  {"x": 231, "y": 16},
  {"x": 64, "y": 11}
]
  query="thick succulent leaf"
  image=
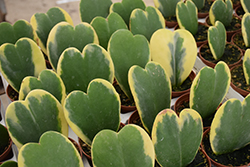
[
  {"x": 20, "y": 60},
  {"x": 245, "y": 5},
  {"x": 77, "y": 70},
  {"x": 221, "y": 10},
  {"x": 175, "y": 51},
  {"x": 166, "y": 7},
  {"x": 44, "y": 22},
  {"x": 151, "y": 89},
  {"x": 217, "y": 39},
  {"x": 99, "y": 109},
  {"x": 230, "y": 127},
  {"x": 40, "y": 112},
  {"x": 209, "y": 88},
  {"x": 125, "y": 8},
  {"x": 245, "y": 23},
  {"x": 199, "y": 3},
  {"x": 11, "y": 34},
  {"x": 174, "y": 146},
  {"x": 89, "y": 9},
  {"x": 9, "y": 163},
  {"x": 53, "y": 149},
  {"x": 63, "y": 36},
  {"x": 4, "y": 139},
  {"x": 131, "y": 50},
  {"x": 131, "y": 147},
  {"x": 246, "y": 66},
  {"x": 187, "y": 16},
  {"x": 146, "y": 22},
  {"x": 47, "y": 80},
  {"x": 106, "y": 27}
]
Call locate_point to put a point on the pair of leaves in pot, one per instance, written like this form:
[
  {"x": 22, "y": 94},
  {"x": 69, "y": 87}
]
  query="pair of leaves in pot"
[
  {"x": 42, "y": 24},
  {"x": 245, "y": 5},
  {"x": 20, "y": 60},
  {"x": 175, "y": 51},
  {"x": 245, "y": 23},
  {"x": 209, "y": 88},
  {"x": 53, "y": 149},
  {"x": 167, "y": 7},
  {"x": 77, "y": 69},
  {"x": 64, "y": 35},
  {"x": 98, "y": 109},
  {"x": 40, "y": 112},
  {"x": 230, "y": 127},
  {"x": 131, "y": 147},
  {"x": 151, "y": 89},
  {"x": 177, "y": 139}
]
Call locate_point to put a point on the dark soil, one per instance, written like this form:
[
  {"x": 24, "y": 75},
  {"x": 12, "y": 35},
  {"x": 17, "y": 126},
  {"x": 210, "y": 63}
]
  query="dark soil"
[
  {"x": 201, "y": 35},
  {"x": 124, "y": 99},
  {"x": 238, "y": 78},
  {"x": 13, "y": 94},
  {"x": 236, "y": 2},
  {"x": 239, "y": 41},
  {"x": 236, "y": 158},
  {"x": 240, "y": 12},
  {"x": 206, "y": 7},
  {"x": 171, "y": 18},
  {"x": 231, "y": 54},
  {"x": 184, "y": 86}
]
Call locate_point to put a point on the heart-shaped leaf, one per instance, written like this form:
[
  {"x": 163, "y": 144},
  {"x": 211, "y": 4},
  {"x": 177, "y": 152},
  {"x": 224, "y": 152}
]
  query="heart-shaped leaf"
[
  {"x": 99, "y": 109},
  {"x": 106, "y": 27},
  {"x": 187, "y": 16},
  {"x": 47, "y": 80},
  {"x": 28, "y": 120},
  {"x": 246, "y": 66},
  {"x": 245, "y": 23},
  {"x": 63, "y": 36},
  {"x": 131, "y": 50},
  {"x": 230, "y": 126},
  {"x": 125, "y": 8},
  {"x": 150, "y": 86},
  {"x": 131, "y": 147},
  {"x": 221, "y": 10},
  {"x": 89, "y": 9},
  {"x": 11, "y": 34},
  {"x": 77, "y": 70},
  {"x": 217, "y": 39},
  {"x": 146, "y": 22},
  {"x": 209, "y": 88},
  {"x": 20, "y": 60},
  {"x": 177, "y": 139},
  {"x": 245, "y": 5},
  {"x": 175, "y": 51},
  {"x": 167, "y": 7},
  {"x": 44, "y": 22},
  {"x": 53, "y": 149}
]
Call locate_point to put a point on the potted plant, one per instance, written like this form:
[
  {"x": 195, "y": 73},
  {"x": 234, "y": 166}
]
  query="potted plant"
[
  {"x": 187, "y": 18},
  {"x": 5, "y": 144},
  {"x": 217, "y": 49},
  {"x": 176, "y": 52},
  {"x": 227, "y": 141},
  {"x": 168, "y": 10},
  {"x": 203, "y": 7}
]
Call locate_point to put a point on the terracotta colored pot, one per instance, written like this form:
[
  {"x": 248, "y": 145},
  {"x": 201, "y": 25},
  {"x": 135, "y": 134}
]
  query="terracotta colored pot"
[
  {"x": 77, "y": 146},
  {"x": 133, "y": 117},
  {"x": 7, "y": 154},
  {"x": 171, "y": 24},
  {"x": 202, "y": 15},
  {"x": 9, "y": 91},
  {"x": 233, "y": 41},
  {"x": 183, "y": 98},
  {"x": 237, "y": 9}
]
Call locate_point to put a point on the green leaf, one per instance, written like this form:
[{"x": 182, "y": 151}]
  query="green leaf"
[
  {"x": 199, "y": 3},
  {"x": 47, "y": 80},
  {"x": 177, "y": 139},
  {"x": 245, "y": 23},
  {"x": 4, "y": 139},
  {"x": 217, "y": 39},
  {"x": 167, "y": 7},
  {"x": 245, "y": 5},
  {"x": 40, "y": 112},
  {"x": 187, "y": 16},
  {"x": 89, "y": 9},
  {"x": 44, "y": 22},
  {"x": 77, "y": 70},
  {"x": 106, "y": 27},
  {"x": 175, "y": 51},
  {"x": 63, "y": 36},
  {"x": 20, "y": 60},
  {"x": 209, "y": 88},
  {"x": 99, "y": 109},
  {"x": 131, "y": 50},
  {"x": 11, "y": 34},
  {"x": 246, "y": 66},
  {"x": 131, "y": 147},
  {"x": 53, "y": 149},
  {"x": 151, "y": 89},
  {"x": 146, "y": 22},
  {"x": 9, "y": 164},
  {"x": 125, "y": 8},
  {"x": 221, "y": 10},
  {"x": 230, "y": 127}
]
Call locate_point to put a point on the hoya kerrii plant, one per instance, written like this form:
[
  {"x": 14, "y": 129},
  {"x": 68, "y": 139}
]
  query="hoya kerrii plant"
[
  {"x": 245, "y": 30},
  {"x": 246, "y": 66},
  {"x": 130, "y": 147},
  {"x": 177, "y": 139},
  {"x": 245, "y": 5}
]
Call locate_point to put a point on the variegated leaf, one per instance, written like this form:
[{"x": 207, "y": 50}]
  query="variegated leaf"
[
  {"x": 245, "y": 5},
  {"x": 246, "y": 66},
  {"x": 245, "y": 23},
  {"x": 166, "y": 7}
]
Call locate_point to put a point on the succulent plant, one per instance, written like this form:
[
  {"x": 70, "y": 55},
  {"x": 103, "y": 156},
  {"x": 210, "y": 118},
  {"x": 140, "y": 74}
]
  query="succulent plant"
[{"x": 245, "y": 23}]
